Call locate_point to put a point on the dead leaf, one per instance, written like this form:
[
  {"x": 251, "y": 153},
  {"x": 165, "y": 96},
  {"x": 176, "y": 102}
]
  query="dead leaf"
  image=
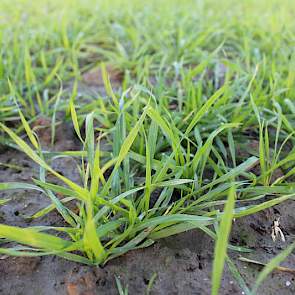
[{"x": 278, "y": 268}]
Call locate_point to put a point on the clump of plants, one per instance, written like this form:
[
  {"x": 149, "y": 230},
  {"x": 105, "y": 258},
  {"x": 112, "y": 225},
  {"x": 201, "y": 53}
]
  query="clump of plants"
[
  {"x": 198, "y": 130},
  {"x": 137, "y": 187}
]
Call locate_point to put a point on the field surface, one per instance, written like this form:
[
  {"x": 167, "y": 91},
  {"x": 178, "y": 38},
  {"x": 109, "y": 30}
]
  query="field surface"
[{"x": 147, "y": 147}]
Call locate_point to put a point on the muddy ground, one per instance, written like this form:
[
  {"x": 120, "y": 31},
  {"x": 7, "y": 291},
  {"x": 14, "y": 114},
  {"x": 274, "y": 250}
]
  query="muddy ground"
[{"x": 178, "y": 265}]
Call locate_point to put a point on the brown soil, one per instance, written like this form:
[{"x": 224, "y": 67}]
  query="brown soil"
[
  {"x": 94, "y": 77},
  {"x": 180, "y": 264}
]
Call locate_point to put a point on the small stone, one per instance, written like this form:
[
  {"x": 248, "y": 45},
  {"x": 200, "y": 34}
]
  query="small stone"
[{"x": 288, "y": 283}]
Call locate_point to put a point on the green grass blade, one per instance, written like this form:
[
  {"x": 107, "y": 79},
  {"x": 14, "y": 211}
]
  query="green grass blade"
[
  {"x": 204, "y": 109},
  {"x": 32, "y": 238},
  {"x": 222, "y": 241}
]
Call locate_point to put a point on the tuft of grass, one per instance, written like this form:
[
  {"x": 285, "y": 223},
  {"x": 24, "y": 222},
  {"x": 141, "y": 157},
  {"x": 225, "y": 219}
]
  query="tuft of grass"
[{"x": 114, "y": 215}]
